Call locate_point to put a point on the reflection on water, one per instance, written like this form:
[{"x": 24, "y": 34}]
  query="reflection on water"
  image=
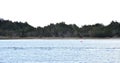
[{"x": 59, "y": 51}]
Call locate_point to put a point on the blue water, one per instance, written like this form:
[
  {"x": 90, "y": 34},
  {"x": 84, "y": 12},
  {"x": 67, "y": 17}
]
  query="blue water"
[{"x": 60, "y": 51}]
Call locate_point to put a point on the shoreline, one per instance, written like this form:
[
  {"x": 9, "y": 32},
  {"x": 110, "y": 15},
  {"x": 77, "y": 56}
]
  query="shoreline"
[{"x": 8, "y": 38}]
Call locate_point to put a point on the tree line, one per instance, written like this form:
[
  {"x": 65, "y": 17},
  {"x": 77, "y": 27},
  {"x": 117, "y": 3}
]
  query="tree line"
[{"x": 20, "y": 29}]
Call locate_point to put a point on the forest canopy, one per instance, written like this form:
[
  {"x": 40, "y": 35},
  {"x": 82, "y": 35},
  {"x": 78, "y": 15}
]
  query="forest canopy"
[{"x": 9, "y": 28}]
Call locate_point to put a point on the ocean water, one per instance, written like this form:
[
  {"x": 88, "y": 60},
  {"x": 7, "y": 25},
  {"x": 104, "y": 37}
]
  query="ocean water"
[{"x": 60, "y": 51}]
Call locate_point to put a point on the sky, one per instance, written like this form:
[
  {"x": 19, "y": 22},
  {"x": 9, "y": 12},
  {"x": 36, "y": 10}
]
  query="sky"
[{"x": 44, "y": 12}]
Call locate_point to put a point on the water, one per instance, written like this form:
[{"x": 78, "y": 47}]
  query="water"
[{"x": 60, "y": 51}]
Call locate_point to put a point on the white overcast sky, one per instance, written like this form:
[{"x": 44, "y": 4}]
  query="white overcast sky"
[{"x": 44, "y": 12}]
